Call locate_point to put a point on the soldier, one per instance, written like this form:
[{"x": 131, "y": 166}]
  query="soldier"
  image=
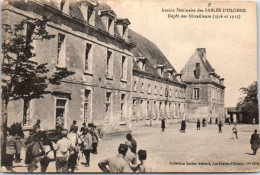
[
  {"x": 116, "y": 164},
  {"x": 220, "y": 127},
  {"x": 143, "y": 167},
  {"x": 83, "y": 127},
  {"x": 255, "y": 142},
  {"x": 73, "y": 137},
  {"x": 95, "y": 137},
  {"x": 132, "y": 142},
  {"x": 163, "y": 125},
  {"x": 130, "y": 156},
  {"x": 62, "y": 148},
  {"x": 87, "y": 145},
  {"x": 198, "y": 124},
  {"x": 37, "y": 125},
  {"x": 17, "y": 132},
  {"x": 235, "y": 131},
  {"x": 10, "y": 150},
  {"x": 73, "y": 124}
]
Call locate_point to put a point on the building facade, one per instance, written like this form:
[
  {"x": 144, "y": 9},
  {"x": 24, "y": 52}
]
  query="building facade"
[
  {"x": 90, "y": 41},
  {"x": 205, "y": 89},
  {"x": 121, "y": 78}
]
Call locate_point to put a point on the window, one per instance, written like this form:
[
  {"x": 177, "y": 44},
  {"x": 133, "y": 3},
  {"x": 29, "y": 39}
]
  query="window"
[
  {"x": 90, "y": 17},
  {"x": 141, "y": 65},
  {"x": 122, "y": 107},
  {"x": 109, "y": 71},
  {"x": 110, "y": 26},
  {"x": 176, "y": 93},
  {"x": 161, "y": 91},
  {"x": 197, "y": 71},
  {"x": 166, "y": 92},
  {"x": 61, "y": 50},
  {"x": 26, "y": 113},
  {"x": 170, "y": 93},
  {"x": 123, "y": 68},
  {"x": 87, "y": 56},
  {"x": 196, "y": 93},
  {"x": 87, "y": 105},
  {"x": 108, "y": 107},
  {"x": 60, "y": 112},
  {"x": 124, "y": 32},
  {"x": 155, "y": 90},
  {"x": 135, "y": 86},
  {"x": 149, "y": 88},
  {"x": 142, "y": 88},
  {"x": 160, "y": 71}
]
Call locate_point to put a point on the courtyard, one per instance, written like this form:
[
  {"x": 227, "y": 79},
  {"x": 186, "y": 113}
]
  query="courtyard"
[{"x": 203, "y": 150}]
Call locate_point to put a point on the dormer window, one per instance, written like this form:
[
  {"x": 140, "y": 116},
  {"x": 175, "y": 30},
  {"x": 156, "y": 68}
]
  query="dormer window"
[
  {"x": 197, "y": 71},
  {"x": 160, "y": 70},
  {"x": 64, "y": 6},
  {"x": 122, "y": 26},
  {"x": 87, "y": 10},
  {"x": 107, "y": 17},
  {"x": 141, "y": 62}
]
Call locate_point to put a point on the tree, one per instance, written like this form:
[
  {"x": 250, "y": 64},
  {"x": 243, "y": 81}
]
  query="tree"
[
  {"x": 249, "y": 103},
  {"x": 22, "y": 77}
]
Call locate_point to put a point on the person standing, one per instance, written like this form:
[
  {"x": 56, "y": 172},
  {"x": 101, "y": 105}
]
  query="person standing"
[
  {"x": 38, "y": 153},
  {"x": 130, "y": 140},
  {"x": 17, "y": 132},
  {"x": 95, "y": 137},
  {"x": 130, "y": 156},
  {"x": 183, "y": 126},
  {"x": 62, "y": 147},
  {"x": 163, "y": 124},
  {"x": 235, "y": 130},
  {"x": 143, "y": 167},
  {"x": 220, "y": 127},
  {"x": 255, "y": 142},
  {"x": 203, "y": 122},
  {"x": 198, "y": 124},
  {"x": 116, "y": 164},
  {"x": 73, "y": 125},
  {"x": 216, "y": 120},
  {"x": 10, "y": 150},
  {"x": 83, "y": 127},
  {"x": 73, "y": 137},
  {"x": 87, "y": 142},
  {"x": 37, "y": 125}
]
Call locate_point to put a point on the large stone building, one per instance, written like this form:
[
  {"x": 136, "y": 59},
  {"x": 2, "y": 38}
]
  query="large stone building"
[
  {"x": 121, "y": 78},
  {"x": 205, "y": 89}
]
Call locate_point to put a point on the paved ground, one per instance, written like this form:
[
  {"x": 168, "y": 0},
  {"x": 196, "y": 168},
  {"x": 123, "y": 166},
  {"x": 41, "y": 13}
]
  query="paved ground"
[{"x": 171, "y": 151}]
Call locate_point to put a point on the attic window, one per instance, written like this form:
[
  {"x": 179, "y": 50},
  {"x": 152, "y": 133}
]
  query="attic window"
[
  {"x": 62, "y": 5},
  {"x": 110, "y": 21},
  {"x": 90, "y": 17},
  {"x": 160, "y": 71},
  {"x": 197, "y": 71},
  {"x": 141, "y": 65}
]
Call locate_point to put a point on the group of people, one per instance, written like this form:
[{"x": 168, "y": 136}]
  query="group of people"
[{"x": 126, "y": 161}]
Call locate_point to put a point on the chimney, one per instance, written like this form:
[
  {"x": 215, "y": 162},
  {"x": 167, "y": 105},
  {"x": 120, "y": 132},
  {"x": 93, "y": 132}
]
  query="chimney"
[{"x": 202, "y": 53}]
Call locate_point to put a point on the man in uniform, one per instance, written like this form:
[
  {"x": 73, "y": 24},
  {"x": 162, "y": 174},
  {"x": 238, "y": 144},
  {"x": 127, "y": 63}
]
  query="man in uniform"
[
  {"x": 37, "y": 125},
  {"x": 116, "y": 164},
  {"x": 132, "y": 142},
  {"x": 87, "y": 142},
  {"x": 62, "y": 147},
  {"x": 73, "y": 125},
  {"x": 255, "y": 142}
]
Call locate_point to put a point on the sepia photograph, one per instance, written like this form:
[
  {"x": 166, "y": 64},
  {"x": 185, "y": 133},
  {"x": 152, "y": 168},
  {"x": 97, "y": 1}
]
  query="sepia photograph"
[{"x": 120, "y": 86}]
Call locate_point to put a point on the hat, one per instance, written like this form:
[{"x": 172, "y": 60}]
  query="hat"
[
  {"x": 64, "y": 132},
  {"x": 123, "y": 148}
]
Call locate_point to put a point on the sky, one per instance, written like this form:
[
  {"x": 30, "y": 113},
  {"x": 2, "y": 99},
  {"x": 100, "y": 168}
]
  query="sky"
[{"x": 231, "y": 44}]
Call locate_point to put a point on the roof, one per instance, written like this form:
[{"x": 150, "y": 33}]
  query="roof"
[
  {"x": 206, "y": 69},
  {"x": 153, "y": 55},
  {"x": 232, "y": 109}
]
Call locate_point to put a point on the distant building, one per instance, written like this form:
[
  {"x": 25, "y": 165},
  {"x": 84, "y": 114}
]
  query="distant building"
[
  {"x": 121, "y": 78},
  {"x": 205, "y": 90}
]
